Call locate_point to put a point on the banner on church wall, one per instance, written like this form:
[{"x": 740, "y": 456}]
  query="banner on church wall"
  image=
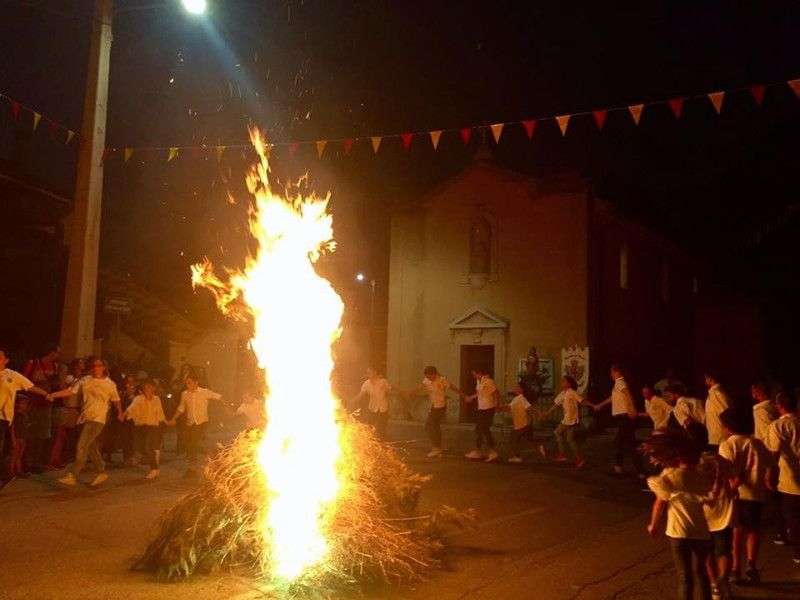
[{"x": 575, "y": 362}]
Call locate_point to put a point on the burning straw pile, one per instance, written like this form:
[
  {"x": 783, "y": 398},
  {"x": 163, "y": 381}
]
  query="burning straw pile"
[{"x": 375, "y": 533}]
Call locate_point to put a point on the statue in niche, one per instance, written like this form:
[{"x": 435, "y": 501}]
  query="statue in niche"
[{"x": 480, "y": 246}]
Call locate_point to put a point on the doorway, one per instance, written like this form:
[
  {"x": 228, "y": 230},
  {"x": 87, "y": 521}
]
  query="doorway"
[{"x": 473, "y": 357}]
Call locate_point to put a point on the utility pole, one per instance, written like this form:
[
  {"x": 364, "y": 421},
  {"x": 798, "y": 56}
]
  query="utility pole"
[{"x": 80, "y": 297}]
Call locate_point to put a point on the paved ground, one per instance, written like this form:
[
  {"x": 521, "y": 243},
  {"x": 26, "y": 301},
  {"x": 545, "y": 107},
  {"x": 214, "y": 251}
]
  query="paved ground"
[{"x": 543, "y": 532}]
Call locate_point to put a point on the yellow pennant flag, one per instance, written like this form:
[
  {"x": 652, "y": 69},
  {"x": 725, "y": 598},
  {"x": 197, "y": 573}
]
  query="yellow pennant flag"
[
  {"x": 376, "y": 143},
  {"x": 70, "y": 135},
  {"x": 435, "y": 135},
  {"x": 497, "y": 131},
  {"x": 128, "y": 153},
  {"x": 220, "y": 152},
  {"x": 636, "y": 112},
  {"x": 321, "y": 147},
  {"x": 716, "y": 99},
  {"x": 36, "y": 118},
  {"x": 563, "y": 121},
  {"x": 173, "y": 153}
]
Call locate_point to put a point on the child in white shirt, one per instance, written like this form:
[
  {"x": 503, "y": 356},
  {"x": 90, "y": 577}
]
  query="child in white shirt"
[
  {"x": 520, "y": 410},
  {"x": 147, "y": 415},
  {"x": 565, "y": 434}
]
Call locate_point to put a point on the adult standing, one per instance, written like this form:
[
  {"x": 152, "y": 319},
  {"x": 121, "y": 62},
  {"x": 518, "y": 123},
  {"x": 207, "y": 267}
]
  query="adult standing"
[
  {"x": 194, "y": 404},
  {"x": 716, "y": 403},
  {"x": 67, "y": 417},
  {"x": 435, "y": 386},
  {"x": 488, "y": 398},
  {"x": 376, "y": 390},
  {"x": 624, "y": 412},
  {"x": 99, "y": 393},
  {"x": 43, "y": 372},
  {"x": 11, "y": 382}
]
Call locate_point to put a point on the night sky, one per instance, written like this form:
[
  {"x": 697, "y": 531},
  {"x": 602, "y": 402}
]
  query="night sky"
[{"x": 724, "y": 186}]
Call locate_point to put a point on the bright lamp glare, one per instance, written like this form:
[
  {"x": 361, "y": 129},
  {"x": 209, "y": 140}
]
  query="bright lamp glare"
[
  {"x": 196, "y": 7},
  {"x": 359, "y": 277}
]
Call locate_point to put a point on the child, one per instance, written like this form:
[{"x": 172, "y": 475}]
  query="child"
[
  {"x": 520, "y": 410},
  {"x": 253, "y": 410},
  {"x": 436, "y": 387},
  {"x": 194, "y": 403},
  {"x": 570, "y": 401},
  {"x": 680, "y": 490},
  {"x": 488, "y": 398},
  {"x": 718, "y": 508},
  {"x": 376, "y": 389},
  {"x": 750, "y": 463},
  {"x": 657, "y": 409},
  {"x": 147, "y": 415}
]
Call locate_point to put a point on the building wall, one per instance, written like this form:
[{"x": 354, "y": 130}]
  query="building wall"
[{"x": 538, "y": 283}]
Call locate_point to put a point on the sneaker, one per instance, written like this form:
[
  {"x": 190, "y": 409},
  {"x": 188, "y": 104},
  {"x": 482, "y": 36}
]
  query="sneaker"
[
  {"x": 752, "y": 576},
  {"x": 152, "y": 474},
  {"x": 101, "y": 477},
  {"x": 474, "y": 455},
  {"x": 735, "y": 577},
  {"x": 715, "y": 595},
  {"x": 779, "y": 540},
  {"x": 796, "y": 560},
  {"x": 542, "y": 451},
  {"x": 515, "y": 460},
  {"x": 493, "y": 456},
  {"x": 561, "y": 458},
  {"x": 68, "y": 479},
  {"x": 434, "y": 453},
  {"x": 580, "y": 463}
]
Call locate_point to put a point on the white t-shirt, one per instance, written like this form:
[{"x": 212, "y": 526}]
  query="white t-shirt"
[
  {"x": 569, "y": 400},
  {"x": 144, "y": 411},
  {"x": 486, "y": 389},
  {"x": 749, "y": 460},
  {"x": 764, "y": 413},
  {"x": 686, "y": 407},
  {"x": 195, "y": 405},
  {"x": 621, "y": 399},
  {"x": 437, "y": 391},
  {"x": 716, "y": 402},
  {"x": 784, "y": 439},
  {"x": 98, "y": 393},
  {"x": 378, "y": 393},
  {"x": 685, "y": 489},
  {"x": 718, "y": 505},
  {"x": 659, "y": 411},
  {"x": 519, "y": 411},
  {"x": 10, "y": 383}
]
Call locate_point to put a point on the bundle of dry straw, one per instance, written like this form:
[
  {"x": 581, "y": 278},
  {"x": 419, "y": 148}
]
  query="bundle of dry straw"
[{"x": 376, "y": 535}]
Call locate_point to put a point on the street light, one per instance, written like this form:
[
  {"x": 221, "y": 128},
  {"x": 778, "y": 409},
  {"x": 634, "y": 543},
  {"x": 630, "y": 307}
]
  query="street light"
[{"x": 80, "y": 294}]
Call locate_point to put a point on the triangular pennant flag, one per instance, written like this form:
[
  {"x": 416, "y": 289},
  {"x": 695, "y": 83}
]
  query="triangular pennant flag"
[
  {"x": 435, "y": 135},
  {"x": 107, "y": 153},
  {"x": 530, "y": 126},
  {"x": 563, "y": 121},
  {"x": 716, "y": 99},
  {"x": 128, "y": 152},
  {"x": 347, "y": 145},
  {"x": 36, "y": 118},
  {"x": 376, "y": 143},
  {"x": 599, "y": 117},
  {"x": 173, "y": 153},
  {"x": 465, "y": 134},
  {"x": 293, "y": 148},
  {"x": 406, "y": 138},
  {"x": 15, "y": 108},
  {"x": 795, "y": 85},
  {"x": 676, "y": 106},
  {"x": 758, "y": 93},
  {"x": 321, "y": 147},
  {"x": 636, "y": 112},
  {"x": 497, "y": 131},
  {"x": 52, "y": 128},
  {"x": 220, "y": 150},
  {"x": 70, "y": 135}
]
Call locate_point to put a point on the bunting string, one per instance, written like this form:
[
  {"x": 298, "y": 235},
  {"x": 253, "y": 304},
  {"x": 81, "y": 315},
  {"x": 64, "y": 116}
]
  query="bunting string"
[{"x": 676, "y": 105}]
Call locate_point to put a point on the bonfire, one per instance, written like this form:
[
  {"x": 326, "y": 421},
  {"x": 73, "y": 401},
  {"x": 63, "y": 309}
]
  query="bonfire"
[{"x": 314, "y": 502}]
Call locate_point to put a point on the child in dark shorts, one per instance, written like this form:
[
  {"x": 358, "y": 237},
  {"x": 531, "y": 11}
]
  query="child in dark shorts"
[{"x": 750, "y": 462}]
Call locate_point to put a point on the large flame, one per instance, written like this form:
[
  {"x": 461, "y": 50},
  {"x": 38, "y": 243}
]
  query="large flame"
[{"x": 296, "y": 316}]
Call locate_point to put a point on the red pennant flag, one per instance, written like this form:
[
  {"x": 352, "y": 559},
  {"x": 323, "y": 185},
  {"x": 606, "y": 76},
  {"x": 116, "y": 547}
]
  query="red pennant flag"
[
  {"x": 15, "y": 107},
  {"x": 676, "y": 106},
  {"x": 293, "y": 148},
  {"x": 530, "y": 126},
  {"x": 758, "y": 93},
  {"x": 107, "y": 154},
  {"x": 795, "y": 85},
  {"x": 636, "y": 112},
  {"x": 466, "y": 134},
  {"x": 347, "y": 145},
  {"x": 600, "y": 118},
  {"x": 406, "y": 139},
  {"x": 717, "y": 99},
  {"x": 52, "y": 128}
]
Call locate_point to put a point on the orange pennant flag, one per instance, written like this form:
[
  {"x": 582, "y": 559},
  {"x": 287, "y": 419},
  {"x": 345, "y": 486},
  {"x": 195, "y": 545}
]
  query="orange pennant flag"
[
  {"x": 795, "y": 85},
  {"x": 376, "y": 143},
  {"x": 128, "y": 153},
  {"x": 435, "y": 135},
  {"x": 70, "y": 135},
  {"x": 36, "y": 118},
  {"x": 321, "y": 147},
  {"x": 636, "y": 112},
  {"x": 563, "y": 121},
  {"x": 497, "y": 131},
  {"x": 173, "y": 153},
  {"x": 716, "y": 99}
]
